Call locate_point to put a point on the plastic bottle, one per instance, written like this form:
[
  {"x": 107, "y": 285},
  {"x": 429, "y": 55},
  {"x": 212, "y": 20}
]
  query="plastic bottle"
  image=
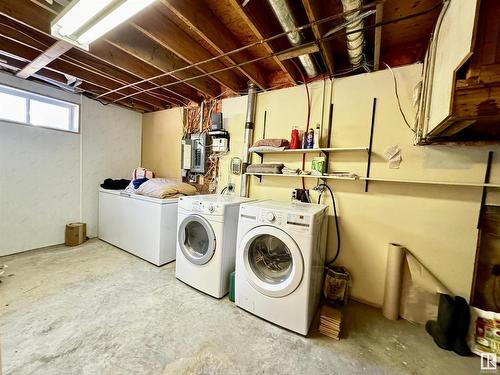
[
  {"x": 309, "y": 139},
  {"x": 317, "y": 136},
  {"x": 294, "y": 139}
]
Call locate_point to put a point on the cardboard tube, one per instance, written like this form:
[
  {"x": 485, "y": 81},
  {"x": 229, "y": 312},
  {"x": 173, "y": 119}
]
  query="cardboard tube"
[{"x": 393, "y": 281}]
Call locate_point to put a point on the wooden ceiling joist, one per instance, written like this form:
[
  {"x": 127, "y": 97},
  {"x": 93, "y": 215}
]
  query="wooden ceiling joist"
[
  {"x": 377, "y": 45},
  {"x": 198, "y": 17},
  {"x": 150, "y": 52},
  {"x": 48, "y": 74},
  {"x": 122, "y": 60},
  {"x": 25, "y": 13},
  {"x": 325, "y": 49},
  {"x": 286, "y": 66},
  {"x": 165, "y": 32},
  {"x": 14, "y": 47}
]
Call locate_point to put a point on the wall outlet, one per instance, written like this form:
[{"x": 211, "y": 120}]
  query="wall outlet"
[{"x": 230, "y": 187}]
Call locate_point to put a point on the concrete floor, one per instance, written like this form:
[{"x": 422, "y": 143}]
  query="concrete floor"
[{"x": 94, "y": 309}]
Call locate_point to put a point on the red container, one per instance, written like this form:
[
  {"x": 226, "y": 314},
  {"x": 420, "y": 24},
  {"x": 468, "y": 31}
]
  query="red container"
[{"x": 295, "y": 139}]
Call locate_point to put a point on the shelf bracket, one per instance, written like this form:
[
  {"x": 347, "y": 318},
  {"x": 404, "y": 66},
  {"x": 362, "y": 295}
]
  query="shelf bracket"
[{"x": 368, "y": 164}]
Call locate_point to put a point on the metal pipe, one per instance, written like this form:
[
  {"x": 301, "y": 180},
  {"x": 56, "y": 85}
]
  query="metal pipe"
[
  {"x": 248, "y": 137},
  {"x": 285, "y": 17}
]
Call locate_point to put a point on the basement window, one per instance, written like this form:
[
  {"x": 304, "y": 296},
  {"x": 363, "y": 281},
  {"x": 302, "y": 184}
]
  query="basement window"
[{"x": 24, "y": 107}]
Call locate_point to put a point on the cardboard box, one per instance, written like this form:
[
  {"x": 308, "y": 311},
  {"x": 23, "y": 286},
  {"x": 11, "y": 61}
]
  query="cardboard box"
[{"x": 76, "y": 234}]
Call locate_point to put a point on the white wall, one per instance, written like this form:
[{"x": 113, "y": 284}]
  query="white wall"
[
  {"x": 49, "y": 178},
  {"x": 111, "y": 147}
]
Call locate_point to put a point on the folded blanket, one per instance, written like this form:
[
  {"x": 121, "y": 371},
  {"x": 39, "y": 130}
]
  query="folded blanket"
[
  {"x": 165, "y": 188},
  {"x": 266, "y": 168},
  {"x": 265, "y": 148},
  {"x": 273, "y": 142},
  {"x": 111, "y": 184}
]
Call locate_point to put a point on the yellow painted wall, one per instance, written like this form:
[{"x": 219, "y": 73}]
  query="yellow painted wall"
[
  {"x": 161, "y": 139},
  {"x": 437, "y": 223}
]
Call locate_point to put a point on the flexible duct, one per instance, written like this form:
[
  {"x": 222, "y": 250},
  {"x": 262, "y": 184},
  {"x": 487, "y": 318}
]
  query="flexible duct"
[
  {"x": 248, "y": 136},
  {"x": 283, "y": 13},
  {"x": 355, "y": 41}
]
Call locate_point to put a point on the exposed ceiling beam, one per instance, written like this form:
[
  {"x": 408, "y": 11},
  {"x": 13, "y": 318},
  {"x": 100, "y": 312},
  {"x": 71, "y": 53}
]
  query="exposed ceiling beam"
[
  {"x": 379, "y": 15},
  {"x": 49, "y": 75},
  {"x": 123, "y": 60},
  {"x": 165, "y": 32},
  {"x": 38, "y": 19},
  {"x": 198, "y": 17},
  {"x": 325, "y": 48},
  {"x": 14, "y": 45},
  {"x": 53, "y": 52},
  {"x": 298, "y": 52},
  {"x": 286, "y": 66},
  {"x": 150, "y": 52}
]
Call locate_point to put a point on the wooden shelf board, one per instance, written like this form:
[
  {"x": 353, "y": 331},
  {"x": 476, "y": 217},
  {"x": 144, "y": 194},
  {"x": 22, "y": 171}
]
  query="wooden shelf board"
[
  {"x": 376, "y": 179},
  {"x": 447, "y": 183}
]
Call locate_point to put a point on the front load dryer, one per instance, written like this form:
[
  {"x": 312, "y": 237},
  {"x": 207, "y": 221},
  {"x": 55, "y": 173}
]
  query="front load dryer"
[
  {"x": 280, "y": 260},
  {"x": 206, "y": 241}
]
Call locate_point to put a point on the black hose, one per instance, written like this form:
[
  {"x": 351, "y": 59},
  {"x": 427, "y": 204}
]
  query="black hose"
[
  {"x": 223, "y": 190},
  {"x": 336, "y": 221}
]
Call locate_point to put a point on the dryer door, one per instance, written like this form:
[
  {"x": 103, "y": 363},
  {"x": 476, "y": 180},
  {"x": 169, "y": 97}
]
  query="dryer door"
[
  {"x": 272, "y": 261},
  {"x": 196, "y": 239}
]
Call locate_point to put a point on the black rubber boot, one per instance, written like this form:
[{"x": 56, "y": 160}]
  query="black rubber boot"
[
  {"x": 443, "y": 330},
  {"x": 462, "y": 327}
]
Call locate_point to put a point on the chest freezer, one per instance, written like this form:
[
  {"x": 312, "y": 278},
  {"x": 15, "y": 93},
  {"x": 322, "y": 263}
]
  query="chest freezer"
[{"x": 143, "y": 226}]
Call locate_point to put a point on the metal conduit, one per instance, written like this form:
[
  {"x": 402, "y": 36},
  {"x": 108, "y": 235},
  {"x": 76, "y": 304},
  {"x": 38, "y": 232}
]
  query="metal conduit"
[{"x": 248, "y": 136}]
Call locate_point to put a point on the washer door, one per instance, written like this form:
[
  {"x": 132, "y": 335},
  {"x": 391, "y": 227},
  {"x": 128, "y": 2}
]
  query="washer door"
[
  {"x": 272, "y": 261},
  {"x": 196, "y": 239}
]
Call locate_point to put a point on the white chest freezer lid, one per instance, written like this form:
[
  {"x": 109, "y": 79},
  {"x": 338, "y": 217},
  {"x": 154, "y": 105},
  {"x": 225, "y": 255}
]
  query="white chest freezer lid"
[{"x": 124, "y": 193}]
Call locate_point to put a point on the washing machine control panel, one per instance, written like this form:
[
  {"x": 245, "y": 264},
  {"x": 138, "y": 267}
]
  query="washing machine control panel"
[
  {"x": 272, "y": 217},
  {"x": 293, "y": 221}
]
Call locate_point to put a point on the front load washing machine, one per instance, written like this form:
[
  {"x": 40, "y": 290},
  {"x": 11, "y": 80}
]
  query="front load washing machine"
[
  {"x": 280, "y": 260},
  {"x": 206, "y": 241}
]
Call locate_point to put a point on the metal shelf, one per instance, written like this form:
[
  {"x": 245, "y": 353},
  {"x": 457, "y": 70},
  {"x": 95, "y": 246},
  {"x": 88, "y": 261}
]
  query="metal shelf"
[{"x": 303, "y": 176}]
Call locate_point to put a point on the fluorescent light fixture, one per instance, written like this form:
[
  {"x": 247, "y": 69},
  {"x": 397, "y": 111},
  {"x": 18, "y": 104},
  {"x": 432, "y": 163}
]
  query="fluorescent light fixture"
[
  {"x": 119, "y": 15},
  {"x": 84, "y": 21},
  {"x": 79, "y": 14}
]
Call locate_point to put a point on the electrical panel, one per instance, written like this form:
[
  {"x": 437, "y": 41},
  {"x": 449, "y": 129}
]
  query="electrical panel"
[
  {"x": 200, "y": 145},
  {"x": 186, "y": 154}
]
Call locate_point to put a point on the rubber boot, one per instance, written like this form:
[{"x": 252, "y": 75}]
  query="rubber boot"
[
  {"x": 443, "y": 330},
  {"x": 462, "y": 327}
]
